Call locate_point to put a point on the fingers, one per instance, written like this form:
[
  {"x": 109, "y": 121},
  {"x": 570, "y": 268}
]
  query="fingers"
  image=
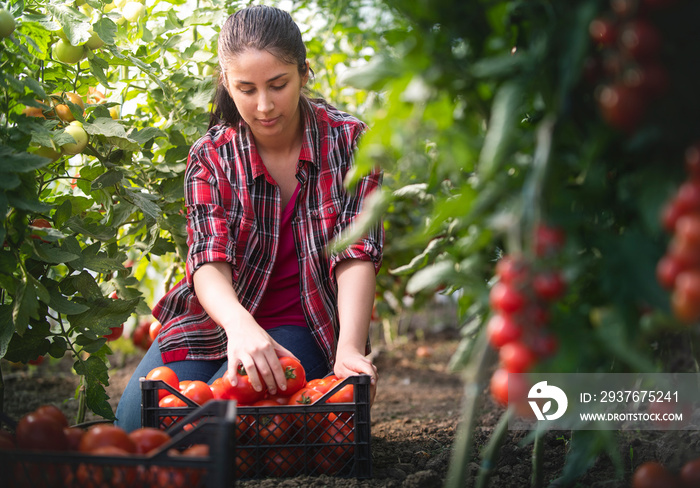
[{"x": 263, "y": 369}]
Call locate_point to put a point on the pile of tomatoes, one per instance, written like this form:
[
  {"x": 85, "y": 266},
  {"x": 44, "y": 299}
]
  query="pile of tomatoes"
[
  {"x": 679, "y": 269},
  {"x": 268, "y": 440},
  {"x": 653, "y": 474},
  {"x": 520, "y": 300},
  {"x": 46, "y": 429},
  {"x": 627, "y": 67}
]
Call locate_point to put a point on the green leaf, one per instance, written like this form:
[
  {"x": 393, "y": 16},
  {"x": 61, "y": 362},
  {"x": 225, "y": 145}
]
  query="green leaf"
[
  {"x": 102, "y": 264},
  {"x": 61, "y": 304},
  {"x": 106, "y": 180},
  {"x": 24, "y": 306},
  {"x": 504, "y": 120},
  {"x": 52, "y": 254},
  {"x": 96, "y": 374},
  {"x": 6, "y": 328},
  {"x": 431, "y": 277},
  {"x": 63, "y": 213},
  {"x": 103, "y": 314},
  {"x": 145, "y": 135},
  {"x": 83, "y": 283},
  {"x": 74, "y": 23},
  {"x": 106, "y": 29},
  {"x": 14, "y": 162},
  {"x": 142, "y": 201}
]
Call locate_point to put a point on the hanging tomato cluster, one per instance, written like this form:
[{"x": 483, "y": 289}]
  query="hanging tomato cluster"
[
  {"x": 627, "y": 68},
  {"x": 679, "y": 269},
  {"x": 520, "y": 299}
]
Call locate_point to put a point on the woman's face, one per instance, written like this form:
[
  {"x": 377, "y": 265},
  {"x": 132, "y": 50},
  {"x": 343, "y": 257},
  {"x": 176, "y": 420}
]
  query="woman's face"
[{"x": 266, "y": 92}]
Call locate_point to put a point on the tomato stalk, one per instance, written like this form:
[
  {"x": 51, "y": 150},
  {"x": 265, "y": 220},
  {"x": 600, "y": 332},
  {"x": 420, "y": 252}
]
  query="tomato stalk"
[
  {"x": 492, "y": 450},
  {"x": 475, "y": 379},
  {"x": 537, "y": 461},
  {"x": 82, "y": 402}
]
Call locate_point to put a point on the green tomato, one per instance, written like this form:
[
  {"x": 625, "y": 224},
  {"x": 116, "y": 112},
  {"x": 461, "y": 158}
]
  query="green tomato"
[
  {"x": 7, "y": 23},
  {"x": 75, "y": 129},
  {"x": 133, "y": 11},
  {"x": 65, "y": 52},
  {"x": 94, "y": 42}
]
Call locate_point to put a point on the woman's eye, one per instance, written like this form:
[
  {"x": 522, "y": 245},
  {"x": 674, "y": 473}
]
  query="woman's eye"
[{"x": 279, "y": 87}]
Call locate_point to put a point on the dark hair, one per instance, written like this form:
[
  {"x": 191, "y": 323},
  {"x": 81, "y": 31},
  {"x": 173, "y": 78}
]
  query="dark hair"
[{"x": 258, "y": 27}]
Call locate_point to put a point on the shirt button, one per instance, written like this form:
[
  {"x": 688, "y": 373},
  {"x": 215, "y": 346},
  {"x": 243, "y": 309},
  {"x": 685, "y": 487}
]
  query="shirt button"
[
  {"x": 314, "y": 213},
  {"x": 301, "y": 254},
  {"x": 331, "y": 211}
]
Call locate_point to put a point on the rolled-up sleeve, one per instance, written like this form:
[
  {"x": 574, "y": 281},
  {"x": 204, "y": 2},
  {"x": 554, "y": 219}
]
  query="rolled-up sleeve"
[
  {"x": 370, "y": 246},
  {"x": 207, "y": 224}
]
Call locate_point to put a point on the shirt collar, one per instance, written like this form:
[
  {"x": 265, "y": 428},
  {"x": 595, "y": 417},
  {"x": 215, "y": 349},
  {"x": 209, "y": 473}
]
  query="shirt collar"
[{"x": 309, "y": 147}]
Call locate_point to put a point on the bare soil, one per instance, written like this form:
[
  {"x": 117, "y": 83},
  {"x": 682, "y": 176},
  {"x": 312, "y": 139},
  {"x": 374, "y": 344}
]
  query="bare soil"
[{"x": 414, "y": 421}]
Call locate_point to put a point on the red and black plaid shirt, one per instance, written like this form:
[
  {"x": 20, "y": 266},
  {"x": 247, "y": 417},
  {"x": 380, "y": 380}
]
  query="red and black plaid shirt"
[{"x": 234, "y": 212}]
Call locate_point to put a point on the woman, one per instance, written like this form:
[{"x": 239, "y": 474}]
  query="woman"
[{"x": 265, "y": 197}]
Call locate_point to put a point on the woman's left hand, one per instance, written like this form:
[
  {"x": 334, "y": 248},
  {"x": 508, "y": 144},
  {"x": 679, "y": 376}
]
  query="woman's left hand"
[{"x": 350, "y": 363}]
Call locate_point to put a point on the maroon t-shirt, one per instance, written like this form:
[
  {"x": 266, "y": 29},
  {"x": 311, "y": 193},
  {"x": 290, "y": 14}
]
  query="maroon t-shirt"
[{"x": 281, "y": 303}]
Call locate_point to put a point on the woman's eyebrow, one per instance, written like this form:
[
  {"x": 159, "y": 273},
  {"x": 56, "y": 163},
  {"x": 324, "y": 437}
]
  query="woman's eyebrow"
[{"x": 274, "y": 78}]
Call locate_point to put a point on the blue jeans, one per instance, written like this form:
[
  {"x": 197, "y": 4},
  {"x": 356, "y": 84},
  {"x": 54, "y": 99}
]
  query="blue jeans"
[{"x": 295, "y": 338}]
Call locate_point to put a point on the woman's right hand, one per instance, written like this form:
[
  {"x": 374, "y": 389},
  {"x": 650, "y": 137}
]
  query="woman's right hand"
[
  {"x": 248, "y": 343},
  {"x": 251, "y": 346}
]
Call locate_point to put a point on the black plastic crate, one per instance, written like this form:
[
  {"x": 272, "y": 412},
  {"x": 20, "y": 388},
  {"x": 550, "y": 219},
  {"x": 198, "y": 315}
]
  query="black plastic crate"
[
  {"x": 285, "y": 441},
  {"x": 212, "y": 425}
]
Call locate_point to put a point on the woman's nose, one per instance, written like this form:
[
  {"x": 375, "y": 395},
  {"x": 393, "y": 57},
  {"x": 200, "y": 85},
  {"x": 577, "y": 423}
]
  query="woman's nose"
[{"x": 264, "y": 102}]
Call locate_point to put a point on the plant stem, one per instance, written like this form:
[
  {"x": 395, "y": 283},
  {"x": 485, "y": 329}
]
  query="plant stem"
[
  {"x": 492, "y": 450},
  {"x": 458, "y": 473},
  {"x": 82, "y": 402},
  {"x": 537, "y": 460}
]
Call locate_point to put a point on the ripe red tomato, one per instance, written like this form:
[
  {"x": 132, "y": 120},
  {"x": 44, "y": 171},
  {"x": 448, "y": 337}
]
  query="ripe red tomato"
[
  {"x": 167, "y": 375},
  {"x": 294, "y": 373},
  {"x": 516, "y": 357},
  {"x": 688, "y": 197},
  {"x": 116, "y": 333},
  {"x": 274, "y": 428},
  {"x": 220, "y": 389},
  {"x": 154, "y": 329},
  {"x": 40, "y": 432},
  {"x": 147, "y": 439},
  {"x": 690, "y": 473},
  {"x": 652, "y": 474},
  {"x": 688, "y": 229},
  {"x": 622, "y": 107},
  {"x": 141, "y": 335},
  {"x": 548, "y": 240},
  {"x": 549, "y": 285},
  {"x": 199, "y": 392},
  {"x": 512, "y": 269},
  {"x": 322, "y": 385},
  {"x": 73, "y": 435},
  {"x": 500, "y": 385},
  {"x": 41, "y": 223},
  {"x": 283, "y": 462},
  {"x": 667, "y": 269},
  {"x": 640, "y": 39},
  {"x": 243, "y": 392},
  {"x": 102, "y": 435},
  {"x": 37, "y": 361},
  {"x": 305, "y": 396},
  {"x": 339, "y": 438},
  {"x": 685, "y": 300},
  {"x": 544, "y": 345},
  {"x": 99, "y": 475},
  {"x": 502, "y": 329},
  {"x": 603, "y": 31},
  {"x": 505, "y": 297},
  {"x": 53, "y": 412},
  {"x": 170, "y": 401},
  {"x": 345, "y": 395}
]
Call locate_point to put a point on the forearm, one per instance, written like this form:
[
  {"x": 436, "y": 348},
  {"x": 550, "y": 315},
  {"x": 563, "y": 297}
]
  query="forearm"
[
  {"x": 214, "y": 289},
  {"x": 356, "y": 289}
]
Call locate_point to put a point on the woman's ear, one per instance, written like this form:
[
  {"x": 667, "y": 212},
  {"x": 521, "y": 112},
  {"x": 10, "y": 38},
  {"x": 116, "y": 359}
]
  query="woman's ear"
[{"x": 305, "y": 78}]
